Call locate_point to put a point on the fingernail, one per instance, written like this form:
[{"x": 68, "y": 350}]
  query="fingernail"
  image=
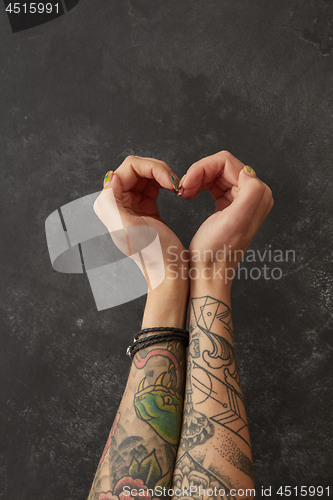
[
  {"x": 175, "y": 182},
  {"x": 249, "y": 170},
  {"x": 180, "y": 191},
  {"x": 181, "y": 180},
  {"x": 108, "y": 177}
]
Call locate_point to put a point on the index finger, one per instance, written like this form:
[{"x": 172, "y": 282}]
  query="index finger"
[
  {"x": 135, "y": 168},
  {"x": 221, "y": 168}
]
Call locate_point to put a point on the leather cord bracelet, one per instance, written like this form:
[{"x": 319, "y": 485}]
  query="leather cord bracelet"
[
  {"x": 160, "y": 329},
  {"x": 167, "y": 335}
]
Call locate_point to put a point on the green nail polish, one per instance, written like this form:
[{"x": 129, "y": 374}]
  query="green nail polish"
[
  {"x": 108, "y": 177},
  {"x": 175, "y": 182},
  {"x": 249, "y": 170}
]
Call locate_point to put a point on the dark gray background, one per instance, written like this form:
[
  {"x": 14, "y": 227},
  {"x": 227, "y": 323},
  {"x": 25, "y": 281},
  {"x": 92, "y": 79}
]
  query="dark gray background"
[{"x": 176, "y": 80}]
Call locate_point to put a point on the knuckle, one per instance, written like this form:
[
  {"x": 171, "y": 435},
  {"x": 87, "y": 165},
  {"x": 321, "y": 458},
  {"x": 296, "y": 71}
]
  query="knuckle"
[
  {"x": 164, "y": 163},
  {"x": 259, "y": 188},
  {"x": 227, "y": 155},
  {"x": 268, "y": 191},
  {"x": 130, "y": 158}
]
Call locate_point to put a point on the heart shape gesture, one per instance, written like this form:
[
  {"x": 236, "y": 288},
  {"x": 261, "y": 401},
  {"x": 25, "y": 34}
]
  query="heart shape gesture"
[
  {"x": 131, "y": 192},
  {"x": 242, "y": 202}
]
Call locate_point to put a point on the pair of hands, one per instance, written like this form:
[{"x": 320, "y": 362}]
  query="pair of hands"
[{"x": 242, "y": 202}]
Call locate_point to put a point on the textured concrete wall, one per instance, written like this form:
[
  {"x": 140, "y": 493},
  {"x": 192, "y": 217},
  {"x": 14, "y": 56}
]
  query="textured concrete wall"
[{"x": 176, "y": 80}]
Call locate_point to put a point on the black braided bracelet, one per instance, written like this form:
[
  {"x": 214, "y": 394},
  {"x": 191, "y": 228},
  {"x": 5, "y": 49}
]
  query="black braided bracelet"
[
  {"x": 161, "y": 336},
  {"x": 133, "y": 349},
  {"x": 169, "y": 334},
  {"x": 154, "y": 339},
  {"x": 160, "y": 329}
]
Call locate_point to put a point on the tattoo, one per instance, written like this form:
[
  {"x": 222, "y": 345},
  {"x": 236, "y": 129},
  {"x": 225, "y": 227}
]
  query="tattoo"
[
  {"x": 211, "y": 315},
  {"x": 196, "y": 426},
  {"x": 153, "y": 406},
  {"x": 161, "y": 407},
  {"x": 174, "y": 353},
  {"x": 215, "y": 429},
  {"x": 108, "y": 443},
  {"x": 188, "y": 472}
]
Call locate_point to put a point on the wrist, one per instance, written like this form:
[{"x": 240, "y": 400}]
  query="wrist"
[
  {"x": 224, "y": 259},
  {"x": 214, "y": 287},
  {"x": 166, "y": 305},
  {"x": 212, "y": 275}
]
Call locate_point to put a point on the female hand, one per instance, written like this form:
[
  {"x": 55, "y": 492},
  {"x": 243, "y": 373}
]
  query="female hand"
[
  {"x": 242, "y": 202},
  {"x": 128, "y": 208}
]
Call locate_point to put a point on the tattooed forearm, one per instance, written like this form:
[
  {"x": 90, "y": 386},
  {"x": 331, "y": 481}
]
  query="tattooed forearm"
[
  {"x": 215, "y": 447},
  {"x": 141, "y": 449}
]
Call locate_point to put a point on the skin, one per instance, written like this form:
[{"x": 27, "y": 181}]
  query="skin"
[
  {"x": 134, "y": 445},
  {"x": 161, "y": 408},
  {"x": 242, "y": 202},
  {"x": 210, "y": 453}
]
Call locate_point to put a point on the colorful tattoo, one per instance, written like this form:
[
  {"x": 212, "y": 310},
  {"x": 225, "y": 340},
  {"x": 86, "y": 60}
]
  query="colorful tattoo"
[
  {"x": 113, "y": 430},
  {"x": 161, "y": 407},
  {"x": 144, "y": 462}
]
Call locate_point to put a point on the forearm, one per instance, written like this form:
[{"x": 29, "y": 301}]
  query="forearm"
[
  {"x": 215, "y": 448},
  {"x": 167, "y": 304},
  {"x": 141, "y": 449}
]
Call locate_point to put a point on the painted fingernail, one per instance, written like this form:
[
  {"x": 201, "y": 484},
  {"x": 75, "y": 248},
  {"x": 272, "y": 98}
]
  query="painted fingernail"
[
  {"x": 175, "y": 182},
  {"x": 249, "y": 170},
  {"x": 108, "y": 177},
  {"x": 181, "y": 180}
]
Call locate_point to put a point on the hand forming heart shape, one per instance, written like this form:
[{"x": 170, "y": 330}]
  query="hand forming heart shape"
[{"x": 242, "y": 202}]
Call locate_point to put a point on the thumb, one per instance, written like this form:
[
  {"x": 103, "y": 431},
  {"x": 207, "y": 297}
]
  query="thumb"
[
  {"x": 108, "y": 206},
  {"x": 251, "y": 191},
  {"x": 246, "y": 206}
]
